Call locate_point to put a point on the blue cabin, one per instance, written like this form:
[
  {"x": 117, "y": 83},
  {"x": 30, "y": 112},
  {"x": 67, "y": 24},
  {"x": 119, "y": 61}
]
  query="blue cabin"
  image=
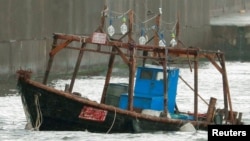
[{"x": 149, "y": 89}]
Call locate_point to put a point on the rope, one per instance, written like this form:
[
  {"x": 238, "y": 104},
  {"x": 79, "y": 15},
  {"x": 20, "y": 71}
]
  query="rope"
[
  {"x": 150, "y": 19},
  {"x": 192, "y": 89},
  {"x": 112, "y": 123},
  {"x": 39, "y": 114},
  {"x": 119, "y": 13}
]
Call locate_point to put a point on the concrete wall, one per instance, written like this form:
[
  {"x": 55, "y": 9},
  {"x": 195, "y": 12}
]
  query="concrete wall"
[
  {"x": 220, "y": 7},
  {"x": 27, "y": 26}
]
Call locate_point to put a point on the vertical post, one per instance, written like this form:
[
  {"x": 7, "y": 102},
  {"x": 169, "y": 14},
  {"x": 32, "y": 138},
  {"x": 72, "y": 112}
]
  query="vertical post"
[
  {"x": 104, "y": 12},
  {"x": 227, "y": 97},
  {"x": 224, "y": 91},
  {"x": 196, "y": 87},
  {"x": 108, "y": 75},
  {"x": 177, "y": 29},
  {"x": 211, "y": 108},
  {"x": 132, "y": 62},
  {"x": 145, "y": 53},
  {"x": 51, "y": 58},
  {"x": 165, "y": 83},
  {"x": 165, "y": 78},
  {"x": 156, "y": 36},
  {"x": 130, "y": 25},
  {"x": 78, "y": 63}
]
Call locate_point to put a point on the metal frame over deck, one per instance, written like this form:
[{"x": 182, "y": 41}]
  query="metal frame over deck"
[{"x": 130, "y": 52}]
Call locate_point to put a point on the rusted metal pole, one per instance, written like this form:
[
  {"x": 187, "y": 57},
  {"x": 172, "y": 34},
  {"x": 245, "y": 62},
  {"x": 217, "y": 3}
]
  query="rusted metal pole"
[
  {"x": 165, "y": 78},
  {"x": 130, "y": 26},
  {"x": 227, "y": 97},
  {"x": 50, "y": 62},
  {"x": 108, "y": 75},
  {"x": 196, "y": 88},
  {"x": 132, "y": 62},
  {"x": 177, "y": 29},
  {"x": 131, "y": 77},
  {"x": 78, "y": 63}
]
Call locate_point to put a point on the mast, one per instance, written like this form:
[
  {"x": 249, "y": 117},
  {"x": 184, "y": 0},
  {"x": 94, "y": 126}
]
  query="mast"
[
  {"x": 50, "y": 62},
  {"x": 111, "y": 58},
  {"x": 132, "y": 61}
]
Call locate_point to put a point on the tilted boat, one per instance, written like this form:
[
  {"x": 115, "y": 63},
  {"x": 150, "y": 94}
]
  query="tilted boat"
[{"x": 147, "y": 103}]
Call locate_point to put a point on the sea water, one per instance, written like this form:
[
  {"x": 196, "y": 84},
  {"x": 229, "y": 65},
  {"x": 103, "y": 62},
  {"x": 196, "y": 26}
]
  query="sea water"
[{"x": 13, "y": 121}]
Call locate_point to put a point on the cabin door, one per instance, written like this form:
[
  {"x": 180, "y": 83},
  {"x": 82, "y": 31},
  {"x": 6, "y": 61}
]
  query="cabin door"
[
  {"x": 157, "y": 88},
  {"x": 149, "y": 82}
]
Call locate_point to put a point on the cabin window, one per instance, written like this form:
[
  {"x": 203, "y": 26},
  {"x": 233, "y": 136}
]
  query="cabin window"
[
  {"x": 159, "y": 76},
  {"x": 145, "y": 74}
]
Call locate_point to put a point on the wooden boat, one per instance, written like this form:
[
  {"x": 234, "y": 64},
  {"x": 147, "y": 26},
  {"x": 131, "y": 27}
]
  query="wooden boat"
[{"x": 147, "y": 103}]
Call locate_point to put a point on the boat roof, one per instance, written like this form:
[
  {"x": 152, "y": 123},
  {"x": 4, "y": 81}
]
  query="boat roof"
[
  {"x": 240, "y": 19},
  {"x": 156, "y": 67}
]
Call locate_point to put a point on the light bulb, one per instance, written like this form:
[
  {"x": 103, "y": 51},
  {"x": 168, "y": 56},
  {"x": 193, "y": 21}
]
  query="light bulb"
[
  {"x": 161, "y": 43},
  {"x": 111, "y": 30},
  {"x": 124, "y": 28},
  {"x": 142, "y": 40},
  {"x": 173, "y": 42}
]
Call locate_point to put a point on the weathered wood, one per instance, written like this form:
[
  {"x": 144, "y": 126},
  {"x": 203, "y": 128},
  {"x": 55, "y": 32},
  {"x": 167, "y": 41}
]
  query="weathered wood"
[{"x": 211, "y": 109}]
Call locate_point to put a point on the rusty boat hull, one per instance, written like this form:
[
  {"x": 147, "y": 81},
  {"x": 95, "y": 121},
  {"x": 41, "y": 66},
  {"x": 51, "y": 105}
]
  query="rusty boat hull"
[{"x": 48, "y": 109}]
